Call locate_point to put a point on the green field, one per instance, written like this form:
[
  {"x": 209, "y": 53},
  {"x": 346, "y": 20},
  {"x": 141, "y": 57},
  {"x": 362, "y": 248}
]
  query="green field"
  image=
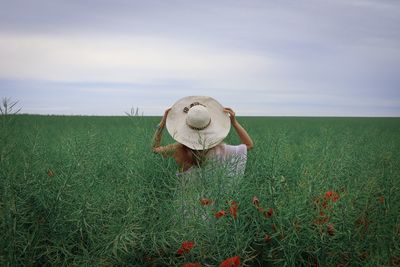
[{"x": 77, "y": 190}]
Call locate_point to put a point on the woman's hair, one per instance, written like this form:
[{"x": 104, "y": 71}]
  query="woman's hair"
[{"x": 197, "y": 157}]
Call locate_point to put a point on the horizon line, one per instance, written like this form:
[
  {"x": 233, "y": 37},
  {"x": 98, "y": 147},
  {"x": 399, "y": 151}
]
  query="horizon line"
[{"x": 248, "y": 116}]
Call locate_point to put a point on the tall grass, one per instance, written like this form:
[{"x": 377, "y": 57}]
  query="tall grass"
[{"x": 89, "y": 191}]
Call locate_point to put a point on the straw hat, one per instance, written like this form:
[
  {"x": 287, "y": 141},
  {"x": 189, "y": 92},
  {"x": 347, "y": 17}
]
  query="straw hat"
[{"x": 198, "y": 122}]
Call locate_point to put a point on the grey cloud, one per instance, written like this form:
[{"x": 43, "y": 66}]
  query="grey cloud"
[{"x": 349, "y": 50}]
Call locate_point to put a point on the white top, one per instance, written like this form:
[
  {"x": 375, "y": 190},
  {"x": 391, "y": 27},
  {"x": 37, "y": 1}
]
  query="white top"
[{"x": 233, "y": 157}]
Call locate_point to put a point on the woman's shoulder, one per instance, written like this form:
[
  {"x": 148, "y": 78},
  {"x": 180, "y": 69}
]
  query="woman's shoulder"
[
  {"x": 226, "y": 150},
  {"x": 235, "y": 149},
  {"x": 233, "y": 157}
]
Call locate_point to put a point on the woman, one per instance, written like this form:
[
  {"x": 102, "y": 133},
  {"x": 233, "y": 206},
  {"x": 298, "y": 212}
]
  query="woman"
[{"x": 199, "y": 124}]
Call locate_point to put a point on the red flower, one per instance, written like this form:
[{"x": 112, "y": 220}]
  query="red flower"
[
  {"x": 205, "y": 201},
  {"x": 196, "y": 264},
  {"x": 328, "y": 194},
  {"x": 267, "y": 238},
  {"x": 331, "y": 195},
  {"x": 233, "y": 209},
  {"x": 256, "y": 202},
  {"x": 324, "y": 204},
  {"x": 219, "y": 214},
  {"x": 331, "y": 229},
  {"x": 269, "y": 213},
  {"x": 186, "y": 247},
  {"x": 260, "y": 209},
  {"x": 231, "y": 262},
  {"x": 335, "y": 197},
  {"x": 381, "y": 199},
  {"x": 322, "y": 218}
]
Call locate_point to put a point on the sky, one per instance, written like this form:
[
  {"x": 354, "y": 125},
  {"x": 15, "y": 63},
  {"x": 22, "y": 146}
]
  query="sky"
[{"x": 261, "y": 58}]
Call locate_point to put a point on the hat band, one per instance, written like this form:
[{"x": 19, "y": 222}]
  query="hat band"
[
  {"x": 186, "y": 109},
  {"x": 198, "y": 129}
]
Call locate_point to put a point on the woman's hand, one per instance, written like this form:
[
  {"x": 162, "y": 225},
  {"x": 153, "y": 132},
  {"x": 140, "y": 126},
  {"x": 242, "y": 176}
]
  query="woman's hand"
[
  {"x": 231, "y": 115},
  {"x": 243, "y": 135},
  {"x": 164, "y": 119},
  {"x": 157, "y": 135}
]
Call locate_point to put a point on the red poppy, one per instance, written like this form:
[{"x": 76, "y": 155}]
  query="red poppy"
[
  {"x": 196, "y": 264},
  {"x": 331, "y": 195},
  {"x": 185, "y": 247},
  {"x": 324, "y": 204},
  {"x": 328, "y": 194},
  {"x": 205, "y": 201},
  {"x": 219, "y": 214},
  {"x": 331, "y": 229},
  {"x": 260, "y": 209},
  {"x": 269, "y": 213},
  {"x": 233, "y": 209},
  {"x": 231, "y": 262},
  {"x": 335, "y": 197},
  {"x": 267, "y": 238},
  {"x": 321, "y": 220},
  {"x": 256, "y": 202}
]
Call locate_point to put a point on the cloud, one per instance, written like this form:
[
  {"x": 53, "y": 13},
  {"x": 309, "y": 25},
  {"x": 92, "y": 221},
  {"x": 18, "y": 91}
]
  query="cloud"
[
  {"x": 299, "y": 57},
  {"x": 125, "y": 59}
]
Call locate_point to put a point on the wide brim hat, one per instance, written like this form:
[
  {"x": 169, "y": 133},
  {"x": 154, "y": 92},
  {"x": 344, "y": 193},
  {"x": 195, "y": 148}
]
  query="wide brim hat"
[{"x": 198, "y": 122}]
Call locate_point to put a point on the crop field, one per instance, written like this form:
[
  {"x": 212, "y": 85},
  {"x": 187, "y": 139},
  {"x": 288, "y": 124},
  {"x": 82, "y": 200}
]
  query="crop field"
[{"x": 89, "y": 191}]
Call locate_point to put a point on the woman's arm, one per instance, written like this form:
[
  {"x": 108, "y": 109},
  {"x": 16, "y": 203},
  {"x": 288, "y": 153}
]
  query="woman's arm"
[
  {"x": 243, "y": 135},
  {"x": 163, "y": 150}
]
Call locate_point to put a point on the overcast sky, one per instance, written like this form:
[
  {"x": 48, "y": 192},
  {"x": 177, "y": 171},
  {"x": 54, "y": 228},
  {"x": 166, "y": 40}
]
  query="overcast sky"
[{"x": 288, "y": 58}]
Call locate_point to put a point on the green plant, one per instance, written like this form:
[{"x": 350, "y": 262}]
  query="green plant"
[{"x": 81, "y": 190}]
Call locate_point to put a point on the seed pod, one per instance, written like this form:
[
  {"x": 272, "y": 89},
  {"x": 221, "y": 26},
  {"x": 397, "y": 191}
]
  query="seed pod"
[
  {"x": 256, "y": 202},
  {"x": 331, "y": 229},
  {"x": 267, "y": 238}
]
